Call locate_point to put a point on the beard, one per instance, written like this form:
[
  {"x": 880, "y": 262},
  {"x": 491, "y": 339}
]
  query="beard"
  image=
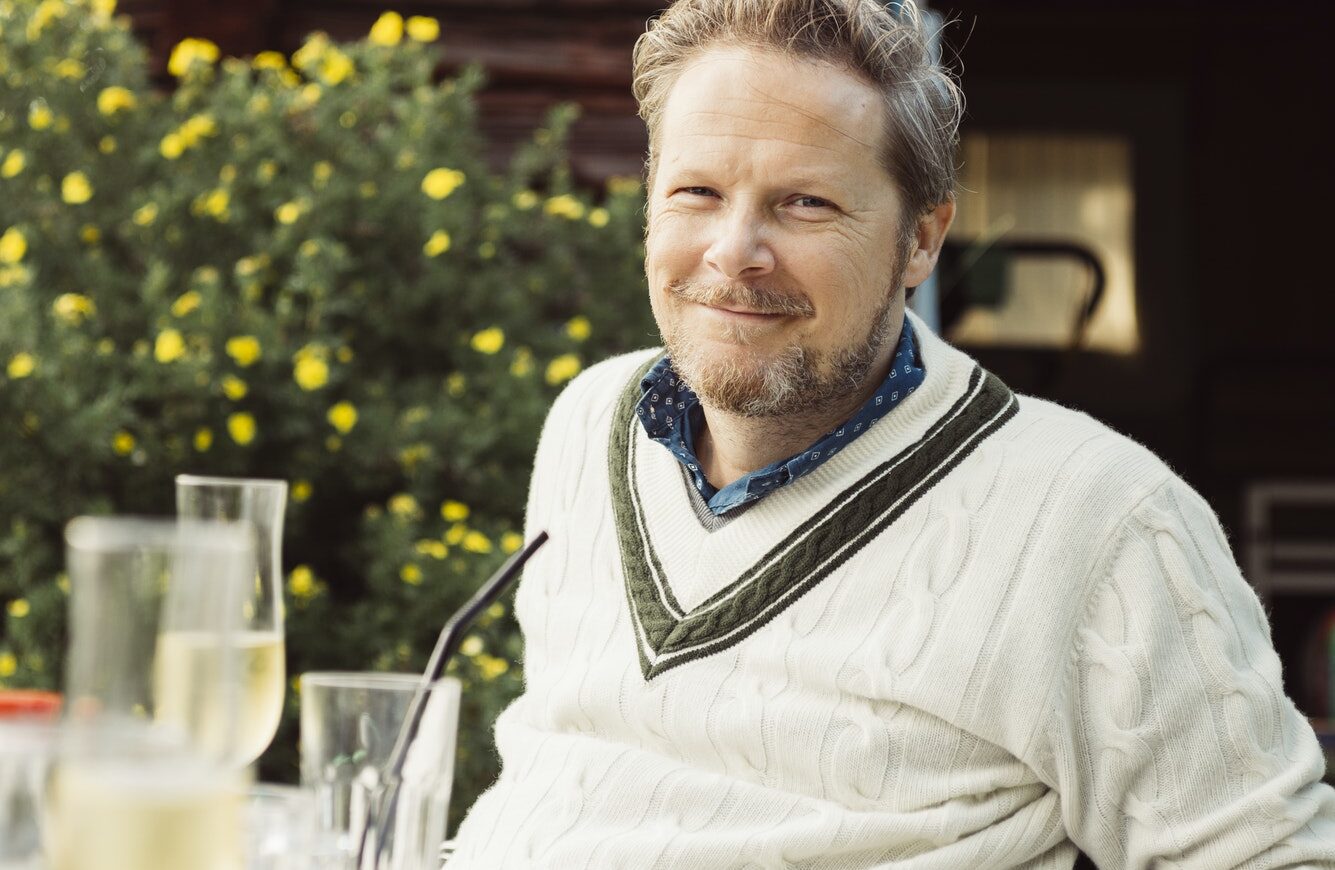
[{"x": 752, "y": 383}]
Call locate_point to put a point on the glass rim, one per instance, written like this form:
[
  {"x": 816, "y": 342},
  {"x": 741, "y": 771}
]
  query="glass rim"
[
  {"x": 373, "y": 680},
  {"x": 119, "y": 533},
  {"x": 238, "y": 482}
]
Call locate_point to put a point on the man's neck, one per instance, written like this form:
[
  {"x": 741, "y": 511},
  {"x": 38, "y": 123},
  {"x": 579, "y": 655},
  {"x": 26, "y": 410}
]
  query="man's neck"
[{"x": 731, "y": 446}]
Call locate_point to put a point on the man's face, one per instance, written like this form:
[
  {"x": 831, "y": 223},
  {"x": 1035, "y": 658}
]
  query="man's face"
[{"x": 773, "y": 250}]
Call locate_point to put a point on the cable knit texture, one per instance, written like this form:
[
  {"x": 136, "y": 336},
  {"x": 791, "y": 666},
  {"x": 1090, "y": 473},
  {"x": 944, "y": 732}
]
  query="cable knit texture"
[{"x": 1046, "y": 643}]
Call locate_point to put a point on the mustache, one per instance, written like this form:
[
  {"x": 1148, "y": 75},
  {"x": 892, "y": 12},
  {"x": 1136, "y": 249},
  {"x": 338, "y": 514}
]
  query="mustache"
[{"x": 743, "y": 296}]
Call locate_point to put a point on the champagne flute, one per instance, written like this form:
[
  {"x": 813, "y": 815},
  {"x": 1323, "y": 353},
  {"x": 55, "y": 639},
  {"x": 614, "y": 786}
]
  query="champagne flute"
[
  {"x": 259, "y": 504},
  {"x": 145, "y": 780}
]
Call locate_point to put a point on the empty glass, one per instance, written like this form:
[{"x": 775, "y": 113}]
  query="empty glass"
[{"x": 349, "y": 722}]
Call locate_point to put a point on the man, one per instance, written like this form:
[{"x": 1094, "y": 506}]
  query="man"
[{"x": 821, "y": 592}]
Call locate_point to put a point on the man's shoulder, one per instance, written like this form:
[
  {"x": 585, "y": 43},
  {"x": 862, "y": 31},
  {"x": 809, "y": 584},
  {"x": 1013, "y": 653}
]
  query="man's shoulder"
[{"x": 1095, "y": 463}]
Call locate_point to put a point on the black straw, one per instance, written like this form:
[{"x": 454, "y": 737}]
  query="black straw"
[{"x": 446, "y": 647}]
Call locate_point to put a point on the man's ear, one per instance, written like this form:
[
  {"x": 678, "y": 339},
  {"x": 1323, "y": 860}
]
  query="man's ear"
[{"x": 931, "y": 234}]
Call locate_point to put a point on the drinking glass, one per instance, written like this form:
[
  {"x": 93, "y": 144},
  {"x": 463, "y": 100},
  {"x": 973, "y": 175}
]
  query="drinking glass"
[
  {"x": 349, "y": 722},
  {"x": 144, "y": 777},
  {"x": 259, "y": 504}
]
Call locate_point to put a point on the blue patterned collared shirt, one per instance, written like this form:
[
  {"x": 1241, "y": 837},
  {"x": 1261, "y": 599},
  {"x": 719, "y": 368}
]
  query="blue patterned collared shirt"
[{"x": 671, "y": 415}]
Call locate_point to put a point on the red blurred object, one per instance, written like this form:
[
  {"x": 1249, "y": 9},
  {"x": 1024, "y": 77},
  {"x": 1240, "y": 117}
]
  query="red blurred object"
[{"x": 29, "y": 704}]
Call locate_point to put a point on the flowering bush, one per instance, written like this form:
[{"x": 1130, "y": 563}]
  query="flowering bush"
[{"x": 299, "y": 268}]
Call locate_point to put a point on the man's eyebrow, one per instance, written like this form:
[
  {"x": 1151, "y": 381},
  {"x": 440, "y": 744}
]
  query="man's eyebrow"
[{"x": 798, "y": 182}]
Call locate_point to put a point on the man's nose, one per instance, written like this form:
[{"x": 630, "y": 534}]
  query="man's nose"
[{"x": 740, "y": 248}]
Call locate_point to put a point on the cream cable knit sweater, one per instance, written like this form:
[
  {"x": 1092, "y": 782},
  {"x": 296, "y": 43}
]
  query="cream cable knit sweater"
[{"x": 988, "y": 628}]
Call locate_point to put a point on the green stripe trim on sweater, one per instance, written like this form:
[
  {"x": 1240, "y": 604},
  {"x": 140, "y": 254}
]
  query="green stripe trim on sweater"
[{"x": 666, "y": 637}]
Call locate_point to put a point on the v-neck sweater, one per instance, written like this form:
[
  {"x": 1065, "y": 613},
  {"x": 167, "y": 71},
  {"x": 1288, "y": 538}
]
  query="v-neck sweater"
[{"x": 987, "y": 631}]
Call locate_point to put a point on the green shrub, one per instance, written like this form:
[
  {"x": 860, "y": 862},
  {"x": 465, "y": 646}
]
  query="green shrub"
[{"x": 299, "y": 269}]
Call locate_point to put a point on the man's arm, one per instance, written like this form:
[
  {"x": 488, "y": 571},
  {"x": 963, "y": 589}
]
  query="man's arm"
[{"x": 1172, "y": 743}]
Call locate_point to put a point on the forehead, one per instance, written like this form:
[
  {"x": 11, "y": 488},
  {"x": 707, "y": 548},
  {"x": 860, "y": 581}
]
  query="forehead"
[{"x": 771, "y": 105}]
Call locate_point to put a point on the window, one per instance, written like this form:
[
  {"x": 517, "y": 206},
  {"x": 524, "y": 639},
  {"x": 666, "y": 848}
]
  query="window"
[{"x": 1041, "y": 219}]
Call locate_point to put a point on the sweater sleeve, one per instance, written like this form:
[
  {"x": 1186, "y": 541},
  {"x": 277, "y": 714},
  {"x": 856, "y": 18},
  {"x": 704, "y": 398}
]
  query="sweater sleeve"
[{"x": 1172, "y": 743}]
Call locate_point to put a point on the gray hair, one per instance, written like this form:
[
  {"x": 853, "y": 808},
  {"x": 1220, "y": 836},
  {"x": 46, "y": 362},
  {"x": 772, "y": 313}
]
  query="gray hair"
[{"x": 892, "y": 51}]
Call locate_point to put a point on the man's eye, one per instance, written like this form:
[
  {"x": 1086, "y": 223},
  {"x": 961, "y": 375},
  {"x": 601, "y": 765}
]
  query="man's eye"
[
  {"x": 697, "y": 191},
  {"x": 812, "y": 202}
]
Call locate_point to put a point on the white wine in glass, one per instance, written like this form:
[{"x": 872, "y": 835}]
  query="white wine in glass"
[
  {"x": 186, "y": 670},
  {"x": 192, "y": 693}
]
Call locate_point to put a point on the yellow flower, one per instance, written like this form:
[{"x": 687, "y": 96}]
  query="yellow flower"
[
  {"x": 245, "y": 349},
  {"x": 247, "y": 266},
  {"x": 310, "y": 372},
  {"x": 169, "y": 346},
  {"x": 387, "y": 30},
  {"x": 69, "y": 68},
  {"x": 411, "y": 574},
  {"x": 441, "y": 182},
  {"x": 522, "y": 364},
  {"x": 21, "y": 365},
  {"x": 525, "y": 200},
  {"x": 438, "y": 244},
  {"x": 171, "y": 146},
  {"x": 39, "y": 116},
  {"x": 75, "y": 189},
  {"x": 187, "y": 51},
  {"x": 115, "y": 99},
  {"x": 216, "y": 202},
  {"x": 186, "y": 303},
  {"x": 241, "y": 426},
  {"x": 565, "y": 206},
  {"x": 90, "y": 234},
  {"x": 404, "y": 505},
  {"x": 197, "y": 127},
  {"x": 19, "y": 608},
  {"x": 599, "y": 217},
  {"x": 311, "y": 51},
  {"x": 455, "y": 533},
  {"x": 13, "y": 246},
  {"x": 511, "y": 541},
  {"x": 301, "y": 582},
  {"x": 343, "y": 417},
  {"x": 471, "y": 646},
  {"x": 433, "y": 548},
  {"x": 107, "y": 144},
  {"x": 623, "y": 185},
  {"x": 288, "y": 212},
  {"x": 344, "y": 354},
  {"x": 266, "y": 171},
  {"x": 563, "y": 368},
  {"x": 145, "y": 214},
  {"x": 455, "y": 384},
  {"x": 322, "y": 171},
  {"x": 301, "y": 491},
  {"x": 486, "y": 250},
  {"x": 123, "y": 443},
  {"x": 335, "y": 67},
  {"x": 476, "y": 542},
  {"x": 423, "y": 29},
  {"x": 578, "y": 328},
  {"x": 454, "y": 511},
  {"x": 73, "y": 308},
  {"x": 269, "y": 60},
  {"x": 203, "y": 439},
  {"x": 488, "y": 341},
  {"x": 9, "y": 665},
  {"x": 367, "y": 189},
  {"x": 234, "y": 388},
  {"x": 491, "y": 667},
  {"x": 14, "y": 163}
]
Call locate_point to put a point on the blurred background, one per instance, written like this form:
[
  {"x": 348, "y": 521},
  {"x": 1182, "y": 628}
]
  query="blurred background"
[{"x": 424, "y": 240}]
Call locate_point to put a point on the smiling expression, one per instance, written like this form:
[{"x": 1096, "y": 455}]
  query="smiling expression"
[{"x": 774, "y": 247}]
